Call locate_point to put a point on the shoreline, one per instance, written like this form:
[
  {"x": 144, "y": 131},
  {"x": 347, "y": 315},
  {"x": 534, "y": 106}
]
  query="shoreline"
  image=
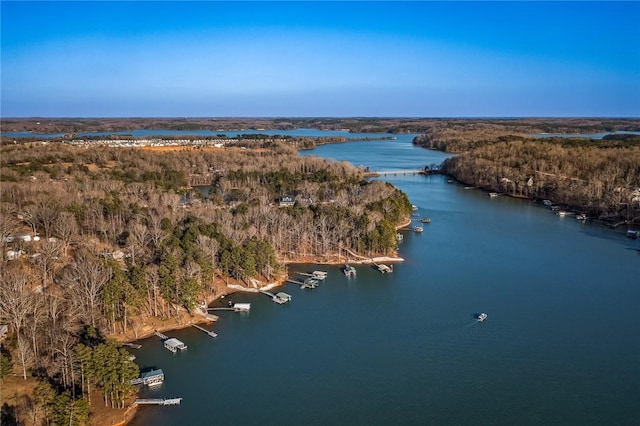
[{"x": 198, "y": 316}]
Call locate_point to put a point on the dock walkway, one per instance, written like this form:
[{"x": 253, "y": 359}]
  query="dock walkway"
[
  {"x": 158, "y": 401},
  {"x": 274, "y": 297},
  {"x": 210, "y": 333},
  {"x": 160, "y": 335}
]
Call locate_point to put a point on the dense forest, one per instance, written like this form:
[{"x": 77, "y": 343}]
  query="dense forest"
[
  {"x": 99, "y": 240},
  {"x": 599, "y": 177},
  {"x": 73, "y": 126}
]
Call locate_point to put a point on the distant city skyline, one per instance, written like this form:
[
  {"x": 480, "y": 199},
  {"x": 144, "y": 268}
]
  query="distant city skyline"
[{"x": 303, "y": 59}]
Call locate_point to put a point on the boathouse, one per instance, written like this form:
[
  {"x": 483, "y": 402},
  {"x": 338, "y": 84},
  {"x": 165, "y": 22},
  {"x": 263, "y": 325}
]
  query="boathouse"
[
  {"x": 150, "y": 378},
  {"x": 241, "y": 307},
  {"x": 284, "y": 296},
  {"x": 174, "y": 344}
]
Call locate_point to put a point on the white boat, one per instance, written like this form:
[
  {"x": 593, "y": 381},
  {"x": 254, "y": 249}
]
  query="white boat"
[
  {"x": 493, "y": 194},
  {"x": 581, "y": 216},
  {"x": 418, "y": 228},
  {"x": 633, "y": 234},
  {"x": 425, "y": 220},
  {"x": 561, "y": 213},
  {"x": 482, "y": 317},
  {"x": 547, "y": 203}
]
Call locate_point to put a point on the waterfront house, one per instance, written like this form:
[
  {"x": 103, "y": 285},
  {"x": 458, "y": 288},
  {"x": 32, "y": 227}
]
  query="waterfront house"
[
  {"x": 287, "y": 201},
  {"x": 14, "y": 254},
  {"x": 4, "y": 329}
]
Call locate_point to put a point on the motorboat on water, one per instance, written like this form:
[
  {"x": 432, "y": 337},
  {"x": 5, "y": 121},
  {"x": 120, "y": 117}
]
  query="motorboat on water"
[
  {"x": 482, "y": 317},
  {"x": 425, "y": 220}
]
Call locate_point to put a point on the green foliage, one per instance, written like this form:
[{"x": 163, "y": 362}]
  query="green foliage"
[
  {"x": 382, "y": 239},
  {"x": 113, "y": 372}
]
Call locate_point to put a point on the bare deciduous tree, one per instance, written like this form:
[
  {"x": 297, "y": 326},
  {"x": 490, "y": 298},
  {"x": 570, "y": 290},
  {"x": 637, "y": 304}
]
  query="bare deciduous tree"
[
  {"x": 65, "y": 227},
  {"x": 84, "y": 280}
]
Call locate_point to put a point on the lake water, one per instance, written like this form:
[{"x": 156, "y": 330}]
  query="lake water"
[
  {"x": 560, "y": 345},
  {"x": 32, "y": 135}
]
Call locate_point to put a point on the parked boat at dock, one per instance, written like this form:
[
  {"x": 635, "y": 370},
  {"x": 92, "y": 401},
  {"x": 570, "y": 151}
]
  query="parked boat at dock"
[{"x": 418, "y": 229}]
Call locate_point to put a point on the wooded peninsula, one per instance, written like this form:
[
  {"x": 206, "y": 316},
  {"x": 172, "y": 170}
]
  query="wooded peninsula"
[{"x": 106, "y": 243}]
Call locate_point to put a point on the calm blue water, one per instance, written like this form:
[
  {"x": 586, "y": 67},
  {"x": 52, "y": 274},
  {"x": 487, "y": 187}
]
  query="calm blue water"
[
  {"x": 32, "y": 135},
  {"x": 560, "y": 345}
]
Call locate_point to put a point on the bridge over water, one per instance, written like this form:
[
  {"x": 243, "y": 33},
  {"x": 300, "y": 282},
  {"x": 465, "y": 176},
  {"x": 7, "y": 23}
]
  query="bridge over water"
[{"x": 400, "y": 172}]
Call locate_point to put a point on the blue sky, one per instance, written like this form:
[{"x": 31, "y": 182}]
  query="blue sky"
[{"x": 418, "y": 59}]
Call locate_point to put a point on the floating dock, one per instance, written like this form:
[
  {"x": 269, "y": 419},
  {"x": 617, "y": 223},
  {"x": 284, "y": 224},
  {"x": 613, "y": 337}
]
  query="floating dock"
[
  {"x": 318, "y": 275},
  {"x": 210, "y": 333},
  {"x": 164, "y": 401},
  {"x": 132, "y": 345},
  {"x": 242, "y": 307},
  {"x": 284, "y": 296},
  {"x": 279, "y": 300},
  {"x": 349, "y": 271},
  {"x": 383, "y": 268}
]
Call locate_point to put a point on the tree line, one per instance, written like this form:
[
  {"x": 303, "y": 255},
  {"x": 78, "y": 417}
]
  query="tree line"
[
  {"x": 123, "y": 238},
  {"x": 600, "y": 177}
]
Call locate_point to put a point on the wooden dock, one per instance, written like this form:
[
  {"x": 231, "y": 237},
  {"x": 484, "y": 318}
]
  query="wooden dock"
[
  {"x": 158, "y": 401},
  {"x": 210, "y": 333},
  {"x": 274, "y": 297},
  {"x": 383, "y": 268},
  {"x": 316, "y": 275},
  {"x": 160, "y": 335}
]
